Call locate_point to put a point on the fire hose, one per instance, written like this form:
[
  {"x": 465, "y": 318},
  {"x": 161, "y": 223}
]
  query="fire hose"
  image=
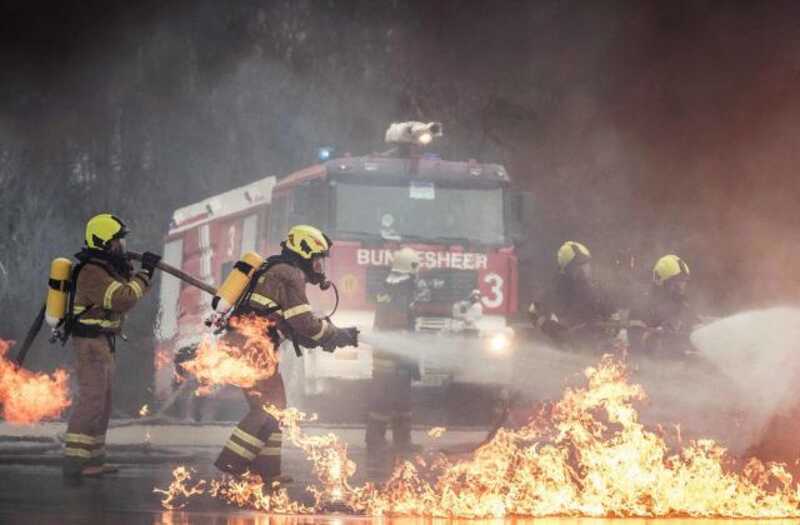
[
  {"x": 36, "y": 326},
  {"x": 175, "y": 272}
]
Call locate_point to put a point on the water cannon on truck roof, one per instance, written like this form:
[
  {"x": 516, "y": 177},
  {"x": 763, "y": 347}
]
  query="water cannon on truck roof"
[{"x": 413, "y": 132}]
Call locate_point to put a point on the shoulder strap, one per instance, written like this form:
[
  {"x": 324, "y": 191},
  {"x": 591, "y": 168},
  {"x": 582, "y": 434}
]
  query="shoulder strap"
[
  {"x": 244, "y": 299},
  {"x": 70, "y": 319}
]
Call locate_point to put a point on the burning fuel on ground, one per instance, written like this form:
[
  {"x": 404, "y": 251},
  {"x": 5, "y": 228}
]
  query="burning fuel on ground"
[{"x": 586, "y": 455}]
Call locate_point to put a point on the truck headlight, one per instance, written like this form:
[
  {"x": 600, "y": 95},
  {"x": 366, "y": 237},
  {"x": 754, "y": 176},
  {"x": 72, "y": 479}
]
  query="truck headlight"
[{"x": 499, "y": 343}]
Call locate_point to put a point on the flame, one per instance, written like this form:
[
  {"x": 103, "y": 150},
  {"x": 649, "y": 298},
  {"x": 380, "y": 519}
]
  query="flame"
[
  {"x": 162, "y": 358},
  {"x": 180, "y": 489},
  {"x": 28, "y": 397},
  {"x": 585, "y": 455},
  {"x": 249, "y": 491},
  {"x": 144, "y": 411},
  {"x": 242, "y": 364},
  {"x": 246, "y": 491},
  {"x": 328, "y": 456}
]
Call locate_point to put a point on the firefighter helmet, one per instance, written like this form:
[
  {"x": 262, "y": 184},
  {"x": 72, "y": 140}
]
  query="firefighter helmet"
[
  {"x": 669, "y": 267},
  {"x": 572, "y": 252},
  {"x": 405, "y": 260},
  {"x": 102, "y": 229},
  {"x": 307, "y": 241}
]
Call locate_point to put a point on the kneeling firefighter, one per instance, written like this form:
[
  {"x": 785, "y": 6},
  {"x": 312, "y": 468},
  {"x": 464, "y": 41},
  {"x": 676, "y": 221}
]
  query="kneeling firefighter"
[
  {"x": 662, "y": 323},
  {"x": 576, "y": 312},
  {"x": 277, "y": 290},
  {"x": 102, "y": 288},
  {"x": 390, "y": 388}
]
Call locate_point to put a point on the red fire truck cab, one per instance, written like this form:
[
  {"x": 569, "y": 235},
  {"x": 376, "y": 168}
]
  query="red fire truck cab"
[{"x": 456, "y": 214}]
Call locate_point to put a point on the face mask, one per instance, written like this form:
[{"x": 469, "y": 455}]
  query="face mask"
[
  {"x": 119, "y": 246},
  {"x": 581, "y": 273},
  {"x": 319, "y": 265},
  {"x": 678, "y": 288}
]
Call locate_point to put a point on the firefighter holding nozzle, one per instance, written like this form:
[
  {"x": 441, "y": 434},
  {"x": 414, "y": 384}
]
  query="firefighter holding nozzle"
[
  {"x": 102, "y": 287},
  {"x": 390, "y": 388},
  {"x": 275, "y": 289}
]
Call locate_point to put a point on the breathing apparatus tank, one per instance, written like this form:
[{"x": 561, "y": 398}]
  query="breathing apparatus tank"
[
  {"x": 58, "y": 291},
  {"x": 236, "y": 282}
]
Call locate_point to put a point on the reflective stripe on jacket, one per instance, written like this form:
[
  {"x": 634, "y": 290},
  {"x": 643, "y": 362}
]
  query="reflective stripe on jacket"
[
  {"x": 107, "y": 295},
  {"x": 281, "y": 293}
]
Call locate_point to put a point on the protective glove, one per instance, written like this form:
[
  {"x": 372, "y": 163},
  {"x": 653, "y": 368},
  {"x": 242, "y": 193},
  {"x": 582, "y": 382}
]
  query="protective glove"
[
  {"x": 218, "y": 321},
  {"x": 533, "y": 314},
  {"x": 149, "y": 262},
  {"x": 537, "y": 314},
  {"x": 342, "y": 337},
  {"x": 554, "y": 330},
  {"x": 187, "y": 353}
]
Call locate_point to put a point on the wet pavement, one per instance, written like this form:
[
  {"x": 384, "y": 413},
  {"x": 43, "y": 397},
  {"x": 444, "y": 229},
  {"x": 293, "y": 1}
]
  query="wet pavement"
[{"x": 32, "y": 489}]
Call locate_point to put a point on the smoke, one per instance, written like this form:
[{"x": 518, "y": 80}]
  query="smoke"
[
  {"x": 742, "y": 379},
  {"x": 466, "y": 359},
  {"x": 756, "y": 350},
  {"x": 741, "y": 382}
]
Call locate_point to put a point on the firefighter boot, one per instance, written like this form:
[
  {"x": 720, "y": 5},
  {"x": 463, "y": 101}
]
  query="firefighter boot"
[
  {"x": 238, "y": 454},
  {"x": 267, "y": 462}
]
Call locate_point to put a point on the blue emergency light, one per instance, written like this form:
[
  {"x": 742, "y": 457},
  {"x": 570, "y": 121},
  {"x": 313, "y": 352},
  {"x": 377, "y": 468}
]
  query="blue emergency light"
[{"x": 325, "y": 153}]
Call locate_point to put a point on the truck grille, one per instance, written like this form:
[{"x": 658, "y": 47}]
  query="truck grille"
[
  {"x": 431, "y": 324},
  {"x": 447, "y": 286}
]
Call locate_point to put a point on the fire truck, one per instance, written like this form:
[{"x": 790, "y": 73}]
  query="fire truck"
[{"x": 457, "y": 214}]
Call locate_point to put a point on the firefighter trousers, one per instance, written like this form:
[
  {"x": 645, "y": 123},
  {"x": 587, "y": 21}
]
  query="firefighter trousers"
[
  {"x": 389, "y": 404},
  {"x": 86, "y": 430},
  {"x": 255, "y": 444}
]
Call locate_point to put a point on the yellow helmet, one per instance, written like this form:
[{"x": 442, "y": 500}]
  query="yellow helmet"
[
  {"x": 308, "y": 241},
  {"x": 102, "y": 229},
  {"x": 570, "y": 252},
  {"x": 668, "y": 267},
  {"x": 405, "y": 260}
]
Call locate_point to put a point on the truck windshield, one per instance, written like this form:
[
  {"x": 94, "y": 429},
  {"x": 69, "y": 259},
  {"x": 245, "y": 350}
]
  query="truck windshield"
[{"x": 420, "y": 212}]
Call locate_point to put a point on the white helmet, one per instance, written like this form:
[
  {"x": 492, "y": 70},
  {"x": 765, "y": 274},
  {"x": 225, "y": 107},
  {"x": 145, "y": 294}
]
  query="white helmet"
[{"x": 406, "y": 261}]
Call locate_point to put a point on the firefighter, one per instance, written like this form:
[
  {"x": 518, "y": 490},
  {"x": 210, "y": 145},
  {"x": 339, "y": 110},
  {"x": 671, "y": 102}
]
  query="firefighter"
[
  {"x": 662, "y": 323},
  {"x": 469, "y": 311},
  {"x": 104, "y": 287},
  {"x": 576, "y": 312},
  {"x": 278, "y": 291},
  {"x": 390, "y": 387}
]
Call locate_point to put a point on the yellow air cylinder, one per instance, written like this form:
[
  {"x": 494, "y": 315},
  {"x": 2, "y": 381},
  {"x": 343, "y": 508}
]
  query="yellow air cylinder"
[
  {"x": 58, "y": 291},
  {"x": 236, "y": 282}
]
